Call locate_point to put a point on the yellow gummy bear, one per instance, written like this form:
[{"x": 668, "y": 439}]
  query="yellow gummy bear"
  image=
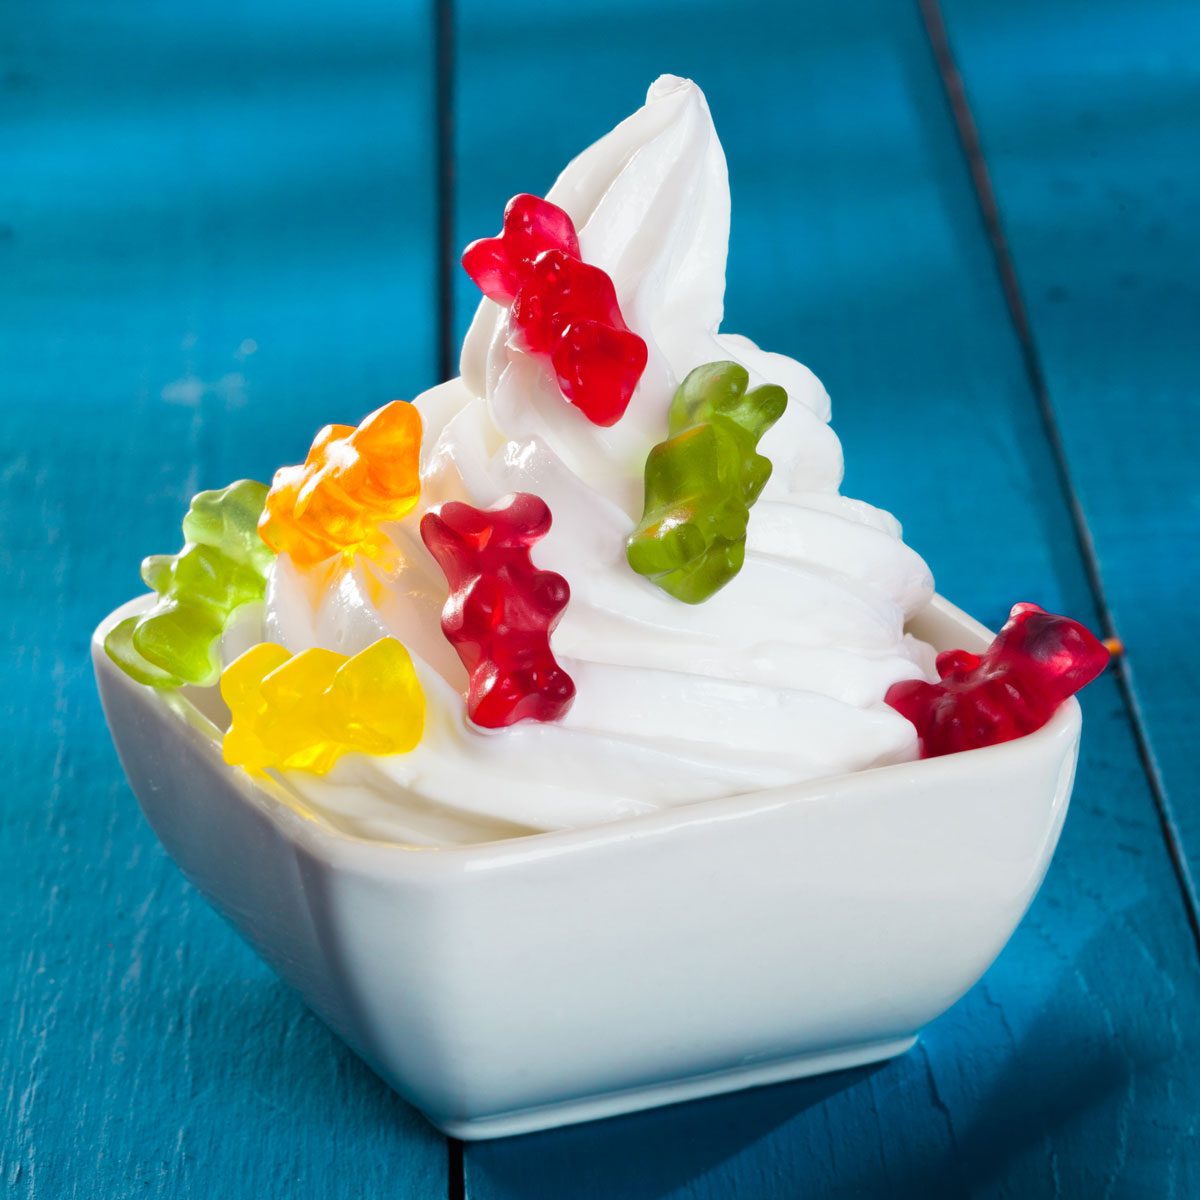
[
  {"x": 306, "y": 710},
  {"x": 352, "y": 481}
]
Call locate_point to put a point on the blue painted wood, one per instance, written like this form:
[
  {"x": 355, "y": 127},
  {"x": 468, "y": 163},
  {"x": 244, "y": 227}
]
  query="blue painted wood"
[
  {"x": 1088, "y": 117},
  {"x": 216, "y": 219},
  {"x": 215, "y": 234},
  {"x": 857, "y": 246}
]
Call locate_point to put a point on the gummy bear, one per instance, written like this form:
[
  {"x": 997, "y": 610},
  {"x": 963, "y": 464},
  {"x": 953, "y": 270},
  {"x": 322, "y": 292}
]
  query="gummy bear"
[
  {"x": 1035, "y": 662},
  {"x": 222, "y": 566},
  {"x": 501, "y": 609},
  {"x": 305, "y": 711},
  {"x": 352, "y": 481},
  {"x": 701, "y": 482},
  {"x": 563, "y": 309}
]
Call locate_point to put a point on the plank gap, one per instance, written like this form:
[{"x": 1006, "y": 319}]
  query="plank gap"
[
  {"x": 989, "y": 210},
  {"x": 443, "y": 85},
  {"x": 456, "y": 1181}
]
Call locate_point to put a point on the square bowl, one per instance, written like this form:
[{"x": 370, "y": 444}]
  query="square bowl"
[{"x": 516, "y": 985}]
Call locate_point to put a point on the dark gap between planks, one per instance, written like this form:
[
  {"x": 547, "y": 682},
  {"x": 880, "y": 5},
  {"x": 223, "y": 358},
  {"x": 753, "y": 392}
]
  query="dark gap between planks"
[
  {"x": 446, "y": 258},
  {"x": 455, "y": 1172}
]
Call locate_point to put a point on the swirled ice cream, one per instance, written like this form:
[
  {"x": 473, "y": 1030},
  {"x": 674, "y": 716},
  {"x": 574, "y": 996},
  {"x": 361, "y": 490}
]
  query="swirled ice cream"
[{"x": 778, "y": 678}]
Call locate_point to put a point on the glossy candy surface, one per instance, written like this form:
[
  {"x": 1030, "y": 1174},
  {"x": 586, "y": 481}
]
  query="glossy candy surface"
[
  {"x": 353, "y": 480},
  {"x": 563, "y": 309},
  {"x": 701, "y": 482},
  {"x": 222, "y": 566},
  {"x": 499, "y": 265},
  {"x": 501, "y": 609},
  {"x": 1035, "y": 662},
  {"x": 307, "y": 710}
]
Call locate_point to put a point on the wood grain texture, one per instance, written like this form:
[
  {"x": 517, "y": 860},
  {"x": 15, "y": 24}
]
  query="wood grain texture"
[
  {"x": 1088, "y": 118},
  {"x": 857, "y": 246},
  {"x": 215, "y": 230}
]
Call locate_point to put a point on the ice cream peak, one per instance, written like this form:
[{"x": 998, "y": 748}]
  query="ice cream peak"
[{"x": 779, "y": 677}]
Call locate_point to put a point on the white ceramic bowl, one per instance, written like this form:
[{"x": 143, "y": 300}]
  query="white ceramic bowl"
[{"x": 555, "y": 978}]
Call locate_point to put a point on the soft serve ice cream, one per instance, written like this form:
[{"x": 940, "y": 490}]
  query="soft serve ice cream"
[{"x": 778, "y": 678}]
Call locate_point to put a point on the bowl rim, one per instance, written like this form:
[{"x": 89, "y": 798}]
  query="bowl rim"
[{"x": 288, "y": 813}]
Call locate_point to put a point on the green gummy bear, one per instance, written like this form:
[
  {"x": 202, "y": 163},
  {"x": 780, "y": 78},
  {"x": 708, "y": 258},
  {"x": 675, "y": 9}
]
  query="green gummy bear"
[
  {"x": 222, "y": 566},
  {"x": 701, "y": 482}
]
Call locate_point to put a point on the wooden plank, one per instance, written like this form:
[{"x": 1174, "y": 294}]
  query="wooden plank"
[
  {"x": 1088, "y": 117},
  {"x": 857, "y": 247},
  {"x": 216, "y": 235}
]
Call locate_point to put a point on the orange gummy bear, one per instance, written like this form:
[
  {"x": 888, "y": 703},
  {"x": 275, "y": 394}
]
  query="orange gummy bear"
[{"x": 352, "y": 481}]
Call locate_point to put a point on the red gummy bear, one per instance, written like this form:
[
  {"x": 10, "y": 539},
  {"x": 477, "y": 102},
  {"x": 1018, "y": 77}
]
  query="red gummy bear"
[
  {"x": 501, "y": 608},
  {"x": 562, "y": 308},
  {"x": 1035, "y": 662}
]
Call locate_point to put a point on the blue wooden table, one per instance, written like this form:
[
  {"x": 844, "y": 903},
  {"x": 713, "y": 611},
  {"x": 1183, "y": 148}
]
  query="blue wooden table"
[{"x": 222, "y": 225}]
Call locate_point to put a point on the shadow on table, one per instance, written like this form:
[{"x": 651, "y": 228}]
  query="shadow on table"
[
  {"x": 651, "y": 1154},
  {"x": 879, "y": 1131}
]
